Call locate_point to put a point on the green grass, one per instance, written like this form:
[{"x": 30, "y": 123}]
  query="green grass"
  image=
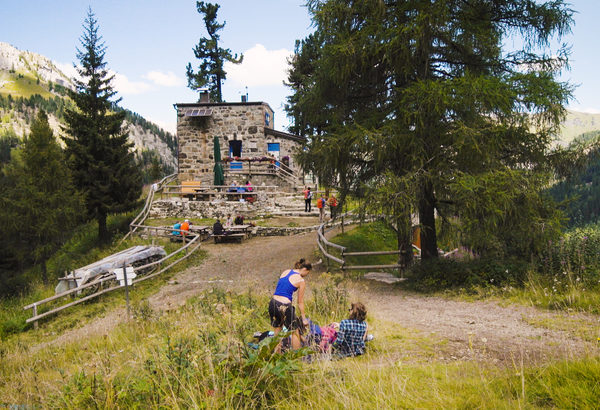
[
  {"x": 81, "y": 250},
  {"x": 375, "y": 236},
  {"x": 197, "y": 357},
  {"x": 24, "y": 86}
]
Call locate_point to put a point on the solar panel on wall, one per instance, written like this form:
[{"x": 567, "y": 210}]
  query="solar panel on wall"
[{"x": 198, "y": 113}]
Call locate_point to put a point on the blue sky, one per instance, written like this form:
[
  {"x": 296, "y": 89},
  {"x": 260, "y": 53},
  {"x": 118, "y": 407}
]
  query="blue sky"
[{"x": 150, "y": 42}]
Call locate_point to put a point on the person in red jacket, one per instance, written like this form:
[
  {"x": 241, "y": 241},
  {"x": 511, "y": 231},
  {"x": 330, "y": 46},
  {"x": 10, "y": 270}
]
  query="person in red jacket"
[{"x": 332, "y": 202}]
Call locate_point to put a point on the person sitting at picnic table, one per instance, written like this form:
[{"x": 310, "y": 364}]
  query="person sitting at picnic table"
[
  {"x": 218, "y": 228},
  {"x": 352, "y": 333},
  {"x": 176, "y": 228},
  {"x": 185, "y": 227},
  {"x": 229, "y": 221},
  {"x": 249, "y": 186},
  {"x": 232, "y": 187},
  {"x": 239, "y": 220}
]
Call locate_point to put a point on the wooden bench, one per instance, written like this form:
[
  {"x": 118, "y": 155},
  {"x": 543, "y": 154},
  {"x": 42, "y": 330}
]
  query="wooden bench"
[{"x": 230, "y": 237}]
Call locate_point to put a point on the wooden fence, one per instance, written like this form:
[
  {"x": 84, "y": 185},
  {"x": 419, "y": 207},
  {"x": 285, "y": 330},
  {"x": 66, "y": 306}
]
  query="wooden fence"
[
  {"x": 141, "y": 217},
  {"x": 133, "y": 226},
  {"x": 324, "y": 246},
  {"x": 98, "y": 282}
]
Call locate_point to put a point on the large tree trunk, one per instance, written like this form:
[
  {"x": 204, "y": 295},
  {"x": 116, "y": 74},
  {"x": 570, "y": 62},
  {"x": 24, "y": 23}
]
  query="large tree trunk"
[
  {"x": 102, "y": 229},
  {"x": 427, "y": 220},
  {"x": 404, "y": 237}
]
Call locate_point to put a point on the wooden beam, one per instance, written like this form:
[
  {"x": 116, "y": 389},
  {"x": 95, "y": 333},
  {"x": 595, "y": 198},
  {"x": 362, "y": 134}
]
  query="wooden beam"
[
  {"x": 371, "y": 253},
  {"x": 366, "y": 267}
]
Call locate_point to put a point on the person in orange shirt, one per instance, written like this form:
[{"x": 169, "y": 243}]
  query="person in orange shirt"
[
  {"x": 321, "y": 206},
  {"x": 185, "y": 227}
]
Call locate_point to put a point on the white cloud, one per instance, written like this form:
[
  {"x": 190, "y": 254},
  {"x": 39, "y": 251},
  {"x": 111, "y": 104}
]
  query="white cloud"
[
  {"x": 126, "y": 87},
  {"x": 68, "y": 69},
  {"x": 121, "y": 82},
  {"x": 169, "y": 79},
  {"x": 261, "y": 67}
]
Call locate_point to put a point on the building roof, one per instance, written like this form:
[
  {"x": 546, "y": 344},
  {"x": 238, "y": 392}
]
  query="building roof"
[
  {"x": 281, "y": 134},
  {"x": 214, "y": 104}
]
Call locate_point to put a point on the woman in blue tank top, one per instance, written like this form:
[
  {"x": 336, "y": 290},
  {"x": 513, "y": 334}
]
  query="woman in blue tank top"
[{"x": 281, "y": 311}]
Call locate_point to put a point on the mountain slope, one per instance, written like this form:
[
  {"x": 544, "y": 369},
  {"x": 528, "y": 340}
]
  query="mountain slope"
[
  {"x": 578, "y": 123},
  {"x": 29, "y": 81}
]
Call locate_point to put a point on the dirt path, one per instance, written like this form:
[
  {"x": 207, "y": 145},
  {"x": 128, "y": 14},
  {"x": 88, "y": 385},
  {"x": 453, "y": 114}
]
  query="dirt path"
[
  {"x": 479, "y": 330},
  {"x": 484, "y": 330},
  {"x": 256, "y": 263}
]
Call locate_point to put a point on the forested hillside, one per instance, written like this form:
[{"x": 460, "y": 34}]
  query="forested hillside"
[
  {"x": 30, "y": 82},
  {"x": 581, "y": 192}
]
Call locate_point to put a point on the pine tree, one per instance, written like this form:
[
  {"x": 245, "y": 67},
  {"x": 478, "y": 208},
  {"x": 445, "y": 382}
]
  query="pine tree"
[
  {"x": 98, "y": 149},
  {"x": 211, "y": 56},
  {"x": 39, "y": 206}
]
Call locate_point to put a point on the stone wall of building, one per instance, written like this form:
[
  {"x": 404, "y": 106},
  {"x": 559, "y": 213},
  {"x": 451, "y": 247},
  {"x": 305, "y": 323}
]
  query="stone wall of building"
[{"x": 231, "y": 121}]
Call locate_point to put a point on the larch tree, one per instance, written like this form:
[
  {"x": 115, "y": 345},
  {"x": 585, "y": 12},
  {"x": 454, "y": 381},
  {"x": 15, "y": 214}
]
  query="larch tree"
[
  {"x": 212, "y": 57},
  {"x": 431, "y": 100},
  {"x": 99, "y": 152}
]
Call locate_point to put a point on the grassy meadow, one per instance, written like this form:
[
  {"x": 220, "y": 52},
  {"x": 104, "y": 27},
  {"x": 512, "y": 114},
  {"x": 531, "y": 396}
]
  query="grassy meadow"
[
  {"x": 198, "y": 355},
  {"x": 22, "y": 85}
]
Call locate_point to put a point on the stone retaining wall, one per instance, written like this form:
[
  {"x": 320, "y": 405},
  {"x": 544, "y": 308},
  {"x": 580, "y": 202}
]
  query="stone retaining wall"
[{"x": 184, "y": 208}]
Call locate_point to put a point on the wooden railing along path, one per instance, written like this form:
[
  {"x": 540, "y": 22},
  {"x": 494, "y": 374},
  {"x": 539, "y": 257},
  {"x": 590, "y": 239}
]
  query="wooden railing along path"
[
  {"x": 324, "y": 246},
  {"x": 100, "y": 281},
  {"x": 135, "y": 224}
]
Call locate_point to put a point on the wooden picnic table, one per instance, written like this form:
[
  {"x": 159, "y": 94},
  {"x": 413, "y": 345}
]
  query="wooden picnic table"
[
  {"x": 202, "y": 229},
  {"x": 239, "y": 228},
  {"x": 234, "y": 233}
]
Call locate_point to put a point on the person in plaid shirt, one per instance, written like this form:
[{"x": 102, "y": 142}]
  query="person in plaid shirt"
[{"x": 352, "y": 333}]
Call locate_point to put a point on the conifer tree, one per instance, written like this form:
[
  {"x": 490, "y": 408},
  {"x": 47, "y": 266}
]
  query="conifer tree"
[
  {"x": 98, "y": 149},
  {"x": 423, "y": 92},
  {"x": 39, "y": 205},
  {"x": 212, "y": 57}
]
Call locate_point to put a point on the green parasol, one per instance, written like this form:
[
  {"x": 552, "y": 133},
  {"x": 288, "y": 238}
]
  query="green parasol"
[{"x": 219, "y": 175}]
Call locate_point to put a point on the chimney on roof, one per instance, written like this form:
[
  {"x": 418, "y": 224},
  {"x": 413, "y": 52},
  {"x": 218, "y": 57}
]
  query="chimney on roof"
[{"x": 204, "y": 95}]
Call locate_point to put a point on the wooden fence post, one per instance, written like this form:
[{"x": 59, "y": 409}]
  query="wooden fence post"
[
  {"x": 35, "y": 324},
  {"x": 126, "y": 291}
]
